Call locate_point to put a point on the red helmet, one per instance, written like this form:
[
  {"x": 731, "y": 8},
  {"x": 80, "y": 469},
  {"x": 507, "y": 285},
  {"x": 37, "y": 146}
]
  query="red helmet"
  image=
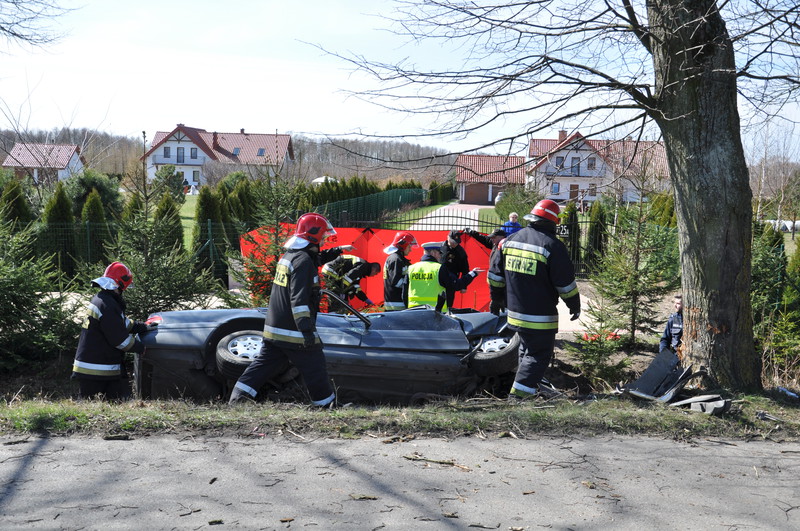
[
  {"x": 403, "y": 240},
  {"x": 119, "y": 273},
  {"x": 546, "y": 209},
  {"x": 313, "y": 227}
]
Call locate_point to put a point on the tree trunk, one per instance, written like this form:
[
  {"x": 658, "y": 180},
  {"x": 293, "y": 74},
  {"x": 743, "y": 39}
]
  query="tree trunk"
[{"x": 696, "y": 109}]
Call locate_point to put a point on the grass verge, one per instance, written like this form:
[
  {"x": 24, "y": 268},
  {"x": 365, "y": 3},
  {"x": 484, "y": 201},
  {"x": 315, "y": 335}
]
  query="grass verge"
[{"x": 486, "y": 417}]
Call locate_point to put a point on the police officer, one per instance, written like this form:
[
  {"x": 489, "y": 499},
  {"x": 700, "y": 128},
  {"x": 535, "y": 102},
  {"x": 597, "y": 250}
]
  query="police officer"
[
  {"x": 673, "y": 331},
  {"x": 429, "y": 278},
  {"x": 395, "y": 271},
  {"x": 530, "y": 272},
  {"x": 342, "y": 276},
  {"x": 290, "y": 331},
  {"x": 491, "y": 241},
  {"x": 107, "y": 335},
  {"x": 454, "y": 258}
]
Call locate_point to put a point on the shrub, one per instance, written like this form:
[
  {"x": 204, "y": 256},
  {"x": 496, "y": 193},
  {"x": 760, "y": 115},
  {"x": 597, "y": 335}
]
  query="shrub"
[{"x": 37, "y": 319}]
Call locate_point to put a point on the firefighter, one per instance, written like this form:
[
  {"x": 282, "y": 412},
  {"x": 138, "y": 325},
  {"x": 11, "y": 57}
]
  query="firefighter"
[
  {"x": 531, "y": 270},
  {"x": 107, "y": 335},
  {"x": 454, "y": 258},
  {"x": 290, "y": 331},
  {"x": 491, "y": 241},
  {"x": 342, "y": 277},
  {"x": 428, "y": 279},
  {"x": 395, "y": 271}
]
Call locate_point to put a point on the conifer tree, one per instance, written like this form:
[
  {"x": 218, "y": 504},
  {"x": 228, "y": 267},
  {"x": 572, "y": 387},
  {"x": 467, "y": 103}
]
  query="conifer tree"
[
  {"x": 58, "y": 236},
  {"x": 14, "y": 206},
  {"x": 94, "y": 229},
  {"x": 134, "y": 207},
  {"x": 167, "y": 221}
]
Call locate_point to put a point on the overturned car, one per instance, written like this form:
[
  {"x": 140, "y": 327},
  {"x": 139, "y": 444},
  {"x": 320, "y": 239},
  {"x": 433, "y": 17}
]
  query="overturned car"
[{"x": 393, "y": 357}]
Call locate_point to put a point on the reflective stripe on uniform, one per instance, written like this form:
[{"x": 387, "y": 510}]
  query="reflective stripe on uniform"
[
  {"x": 496, "y": 281},
  {"x": 127, "y": 344},
  {"x": 246, "y": 388},
  {"x": 324, "y": 401},
  {"x": 128, "y": 324},
  {"x": 536, "y": 322},
  {"x": 95, "y": 369},
  {"x": 568, "y": 291},
  {"x": 512, "y": 245},
  {"x": 283, "y": 334},
  {"x": 301, "y": 311},
  {"x": 94, "y": 311},
  {"x": 523, "y": 390}
]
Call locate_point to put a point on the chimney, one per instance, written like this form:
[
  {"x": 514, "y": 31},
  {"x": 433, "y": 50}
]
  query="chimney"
[
  {"x": 214, "y": 141},
  {"x": 241, "y": 130},
  {"x": 562, "y": 135}
]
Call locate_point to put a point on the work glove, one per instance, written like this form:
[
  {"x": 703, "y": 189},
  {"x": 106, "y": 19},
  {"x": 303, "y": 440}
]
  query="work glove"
[
  {"x": 308, "y": 339},
  {"x": 469, "y": 231},
  {"x": 149, "y": 327},
  {"x": 369, "y": 302},
  {"x": 575, "y": 315},
  {"x": 495, "y": 307},
  {"x": 138, "y": 347},
  {"x": 475, "y": 272}
]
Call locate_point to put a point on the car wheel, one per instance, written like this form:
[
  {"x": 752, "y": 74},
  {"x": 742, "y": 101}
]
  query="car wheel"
[
  {"x": 496, "y": 355},
  {"x": 236, "y": 351}
]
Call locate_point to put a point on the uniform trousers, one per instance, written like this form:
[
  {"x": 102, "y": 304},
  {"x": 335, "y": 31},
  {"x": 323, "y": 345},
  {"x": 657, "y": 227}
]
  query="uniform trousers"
[
  {"x": 535, "y": 352},
  {"x": 274, "y": 360}
]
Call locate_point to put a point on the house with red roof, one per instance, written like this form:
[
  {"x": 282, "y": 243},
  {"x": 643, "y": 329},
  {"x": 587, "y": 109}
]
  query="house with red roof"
[
  {"x": 45, "y": 163},
  {"x": 575, "y": 168},
  {"x": 479, "y": 178},
  {"x": 197, "y": 153}
]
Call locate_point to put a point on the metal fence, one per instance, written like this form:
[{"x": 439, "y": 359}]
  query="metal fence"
[
  {"x": 72, "y": 244},
  {"x": 364, "y": 211}
]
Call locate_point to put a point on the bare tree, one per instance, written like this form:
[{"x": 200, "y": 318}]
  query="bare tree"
[{"x": 624, "y": 66}]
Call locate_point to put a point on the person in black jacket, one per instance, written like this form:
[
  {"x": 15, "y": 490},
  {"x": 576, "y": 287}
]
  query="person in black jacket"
[
  {"x": 290, "y": 326},
  {"x": 673, "y": 331},
  {"x": 491, "y": 241},
  {"x": 530, "y": 273},
  {"x": 454, "y": 258},
  {"x": 107, "y": 335}
]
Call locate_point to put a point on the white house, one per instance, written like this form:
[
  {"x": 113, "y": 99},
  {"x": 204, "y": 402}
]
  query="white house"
[
  {"x": 196, "y": 152},
  {"x": 574, "y": 168},
  {"x": 45, "y": 162}
]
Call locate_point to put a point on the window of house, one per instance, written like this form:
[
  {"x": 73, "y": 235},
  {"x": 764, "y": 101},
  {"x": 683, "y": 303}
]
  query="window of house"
[
  {"x": 559, "y": 162},
  {"x": 196, "y": 176},
  {"x": 576, "y": 165},
  {"x": 591, "y": 163},
  {"x": 236, "y": 152},
  {"x": 592, "y": 189},
  {"x": 193, "y": 153},
  {"x": 179, "y": 155},
  {"x": 166, "y": 152},
  {"x": 261, "y": 152},
  {"x": 555, "y": 188}
]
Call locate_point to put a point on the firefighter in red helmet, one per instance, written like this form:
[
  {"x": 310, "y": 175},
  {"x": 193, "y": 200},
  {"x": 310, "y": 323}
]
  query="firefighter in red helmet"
[
  {"x": 106, "y": 336},
  {"x": 528, "y": 275},
  {"x": 290, "y": 330},
  {"x": 395, "y": 271}
]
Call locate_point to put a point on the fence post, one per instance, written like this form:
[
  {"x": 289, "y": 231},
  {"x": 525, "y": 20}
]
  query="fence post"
[{"x": 88, "y": 244}]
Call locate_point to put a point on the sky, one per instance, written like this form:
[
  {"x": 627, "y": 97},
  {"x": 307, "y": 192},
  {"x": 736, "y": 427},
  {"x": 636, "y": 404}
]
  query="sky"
[{"x": 126, "y": 67}]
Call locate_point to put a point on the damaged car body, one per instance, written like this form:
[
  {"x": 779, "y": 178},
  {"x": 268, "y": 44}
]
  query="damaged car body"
[{"x": 393, "y": 357}]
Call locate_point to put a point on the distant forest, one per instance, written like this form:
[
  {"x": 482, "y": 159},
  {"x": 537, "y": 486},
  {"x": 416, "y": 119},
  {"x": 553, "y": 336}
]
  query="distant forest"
[{"x": 339, "y": 158}]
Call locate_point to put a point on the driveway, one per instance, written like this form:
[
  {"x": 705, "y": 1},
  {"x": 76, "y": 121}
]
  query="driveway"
[{"x": 272, "y": 481}]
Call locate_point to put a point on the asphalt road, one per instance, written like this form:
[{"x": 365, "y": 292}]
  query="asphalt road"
[{"x": 288, "y": 481}]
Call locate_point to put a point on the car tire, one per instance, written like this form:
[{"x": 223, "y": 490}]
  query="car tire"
[
  {"x": 496, "y": 355},
  {"x": 236, "y": 351}
]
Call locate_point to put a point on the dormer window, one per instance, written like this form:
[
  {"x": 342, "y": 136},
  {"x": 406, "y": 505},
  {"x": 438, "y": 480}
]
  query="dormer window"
[
  {"x": 261, "y": 152},
  {"x": 236, "y": 152},
  {"x": 166, "y": 152}
]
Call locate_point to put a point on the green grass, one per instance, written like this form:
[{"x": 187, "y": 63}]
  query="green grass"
[
  {"x": 488, "y": 219},
  {"x": 605, "y": 415},
  {"x": 187, "y": 219},
  {"x": 790, "y": 245}
]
